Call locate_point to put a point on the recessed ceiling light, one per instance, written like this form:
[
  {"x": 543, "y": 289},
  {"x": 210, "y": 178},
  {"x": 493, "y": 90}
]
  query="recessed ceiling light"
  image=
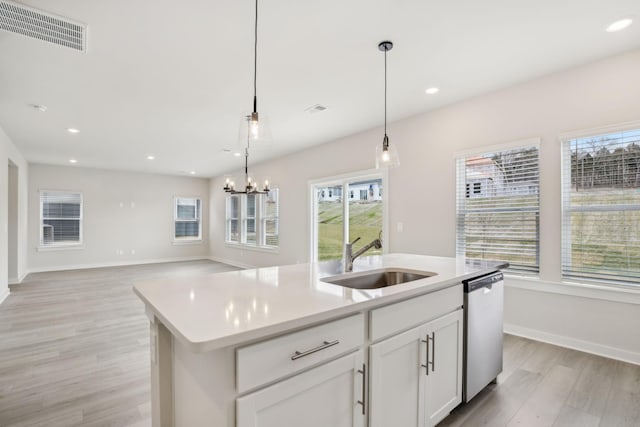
[
  {"x": 38, "y": 107},
  {"x": 432, "y": 90},
  {"x": 72, "y": 130},
  {"x": 237, "y": 154},
  {"x": 150, "y": 157},
  {"x": 619, "y": 25},
  {"x": 73, "y": 161},
  {"x": 192, "y": 172}
]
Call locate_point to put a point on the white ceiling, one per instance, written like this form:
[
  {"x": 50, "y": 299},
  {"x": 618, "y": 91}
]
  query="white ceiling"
[{"x": 172, "y": 78}]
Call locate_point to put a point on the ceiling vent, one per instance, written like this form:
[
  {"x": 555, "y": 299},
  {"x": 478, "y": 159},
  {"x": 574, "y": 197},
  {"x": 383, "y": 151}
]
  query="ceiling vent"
[
  {"x": 317, "y": 108},
  {"x": 26, "y": 21}
]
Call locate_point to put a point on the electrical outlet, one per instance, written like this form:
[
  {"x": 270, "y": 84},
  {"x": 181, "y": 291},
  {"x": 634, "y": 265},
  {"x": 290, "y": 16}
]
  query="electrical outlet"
[
  {"x": 133, "y": 251},
  {"x": 400, "y": 227}
]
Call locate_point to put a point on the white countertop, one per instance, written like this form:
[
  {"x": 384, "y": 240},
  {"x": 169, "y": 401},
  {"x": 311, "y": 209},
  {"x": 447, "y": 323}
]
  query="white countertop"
[{"x": 218, "y": 310}]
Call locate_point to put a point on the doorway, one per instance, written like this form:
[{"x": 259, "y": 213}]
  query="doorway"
[
  {"x": 345, "y": 208},
  {"x": 12, "y": 223}
]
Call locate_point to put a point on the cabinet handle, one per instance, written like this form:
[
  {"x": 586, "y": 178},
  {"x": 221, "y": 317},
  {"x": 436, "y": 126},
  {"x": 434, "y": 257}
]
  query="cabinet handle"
[
  {"x": 426, "y": 365},
  {"x": 433, "y": 351},
  {"x": 363, "y": 371},
  {"x": 325, "y": 344}
]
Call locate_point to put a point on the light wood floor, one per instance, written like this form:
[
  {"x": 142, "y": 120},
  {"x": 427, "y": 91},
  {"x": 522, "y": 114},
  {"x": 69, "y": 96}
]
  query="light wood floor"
[
  {"x": 74, "y": 351},
  {"x": 546, "y": 385},
  {"x": 74, "y": 347}
]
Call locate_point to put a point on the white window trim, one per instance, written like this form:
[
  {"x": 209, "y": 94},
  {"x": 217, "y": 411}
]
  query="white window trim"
[
  {"x": 565, "y": 153},
  {"x": 513, "y": 145},
  {"x": 343, "y": 180},
  {"x": 186, "y": 240},
  {"x": 79, "y": 245},
  {"x": 606, "y": 292}
]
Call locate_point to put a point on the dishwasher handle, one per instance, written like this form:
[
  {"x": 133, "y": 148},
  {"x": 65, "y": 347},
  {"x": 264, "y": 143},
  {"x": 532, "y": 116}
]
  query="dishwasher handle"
[{"x": 482, "y": 282}]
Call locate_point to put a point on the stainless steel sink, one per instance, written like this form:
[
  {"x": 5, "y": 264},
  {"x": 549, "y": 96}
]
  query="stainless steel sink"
[{"x": 377, "y": 279}]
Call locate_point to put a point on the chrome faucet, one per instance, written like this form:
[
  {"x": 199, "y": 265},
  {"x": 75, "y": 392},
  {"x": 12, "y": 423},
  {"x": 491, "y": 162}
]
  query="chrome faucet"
[{"x": 349, "y": 256}]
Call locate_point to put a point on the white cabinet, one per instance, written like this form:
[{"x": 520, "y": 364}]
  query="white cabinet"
[
  {"x": 443, "y": 388},
  {"x": 327, "y": 395},
  {"x": 416, "y": 376}
]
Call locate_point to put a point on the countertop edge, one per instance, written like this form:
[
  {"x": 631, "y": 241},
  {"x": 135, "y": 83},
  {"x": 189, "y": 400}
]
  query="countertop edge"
[{"x": 248, "y": 336}]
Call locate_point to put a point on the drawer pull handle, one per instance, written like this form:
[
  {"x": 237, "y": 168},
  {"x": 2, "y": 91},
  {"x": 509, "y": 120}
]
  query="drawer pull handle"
[{"x": 325, "y": 344}]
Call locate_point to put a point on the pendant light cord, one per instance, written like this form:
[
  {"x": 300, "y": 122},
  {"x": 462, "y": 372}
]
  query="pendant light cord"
[
  {"x": 255, "y": 62},
  {"x": 385, "y": 92}
]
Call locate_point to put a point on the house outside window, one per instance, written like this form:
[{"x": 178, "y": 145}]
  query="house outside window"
[
  {"x": 187, "y": 219},
  {"x": 497, "y": 206},
  {"x": 252, "y": 220},
  {"x": 601, "y": 208},
  {"x": 60, "y": 218}
]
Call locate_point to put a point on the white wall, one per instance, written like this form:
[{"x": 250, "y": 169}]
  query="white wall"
[
  {"x": 12, "y": 220},
  {"x": 123, "y": 211},
  {"x": 8, "y": 152},
  {"x": 422, "y": 191}
]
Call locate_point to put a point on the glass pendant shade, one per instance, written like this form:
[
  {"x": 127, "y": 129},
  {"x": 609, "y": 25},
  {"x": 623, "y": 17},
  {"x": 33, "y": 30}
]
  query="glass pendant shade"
[
  {"x": 386, "y": 155},
  {"x": 254, "y": 127}
]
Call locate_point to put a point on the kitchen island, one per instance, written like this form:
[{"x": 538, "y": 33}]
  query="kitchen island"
[{"x": 283, "y": 346}]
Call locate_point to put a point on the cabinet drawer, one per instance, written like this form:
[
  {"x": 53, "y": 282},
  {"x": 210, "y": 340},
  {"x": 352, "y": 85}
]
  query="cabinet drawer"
[
  {"x": 403, "y": 315},
  {"x": 269, "y": 360}
]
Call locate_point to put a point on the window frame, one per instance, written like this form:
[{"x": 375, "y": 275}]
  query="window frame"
[
  {"x": 259, "y": 221},
  {"x": 187, "y": 239},
  {"x": 585, "y": 278},
  {"x": 61, "y": 245},
  {"x": 468, "y": 191},
  {"x": 343, "y": 182}
]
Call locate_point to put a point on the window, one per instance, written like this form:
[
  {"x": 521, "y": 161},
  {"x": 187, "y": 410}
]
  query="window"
[
  {"x": 337, "y": 220},
  {"x": 60, "y": 218},
  {"x": 499, "y": 218},
  {"x": 253, "y": 219},
  {"x": 187, "y": 218},
  {"x": 601, "y": 207},
  {"x": 233, "y": 218},
  {"x": 270, "y": 219}
]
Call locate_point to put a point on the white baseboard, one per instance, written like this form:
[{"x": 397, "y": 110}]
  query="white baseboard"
[
  {"x": 3, "y": 295},
  {"x": 231, "y": 262},
  {"x": 575, "y": 344},
  {"x": 17, "y": 280},
  {"x": 114, "y": 264}
]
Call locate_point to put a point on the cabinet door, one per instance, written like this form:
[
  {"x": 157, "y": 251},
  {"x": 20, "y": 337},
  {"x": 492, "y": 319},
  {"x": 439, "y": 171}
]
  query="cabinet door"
[
  {"x": 443, "y": 389},
  {"x": 324, "y": 396},
  {"x": 397, "y": 380}
]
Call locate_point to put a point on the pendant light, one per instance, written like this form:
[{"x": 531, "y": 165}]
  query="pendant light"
[
  {"x": 253, "y": 128},
  {"x": 386, "y": 155},
  {"x": 250, "y": 185},
  {"x": 258, "y": 129}
]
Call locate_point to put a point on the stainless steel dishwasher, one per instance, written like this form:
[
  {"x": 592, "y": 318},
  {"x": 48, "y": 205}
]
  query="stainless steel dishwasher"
[{"x": 483, "y": 339}]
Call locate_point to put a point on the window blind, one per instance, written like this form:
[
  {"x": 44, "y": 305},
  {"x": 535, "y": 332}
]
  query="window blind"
[
  {"x": 233, "y": 218},
  {"x": 61, "y": 218},
  {"x": 270, "y": 218},
  {"x": 187, "y": 218},
  {"x": 601, "y": 207},
  {"x": 497, "y": 206}
]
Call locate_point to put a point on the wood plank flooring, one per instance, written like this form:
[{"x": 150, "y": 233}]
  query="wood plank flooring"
[
  {"x": 74, "y": 347},
  {"x": 74, "y": 351},
  {"x": 545, "y": 385}
]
